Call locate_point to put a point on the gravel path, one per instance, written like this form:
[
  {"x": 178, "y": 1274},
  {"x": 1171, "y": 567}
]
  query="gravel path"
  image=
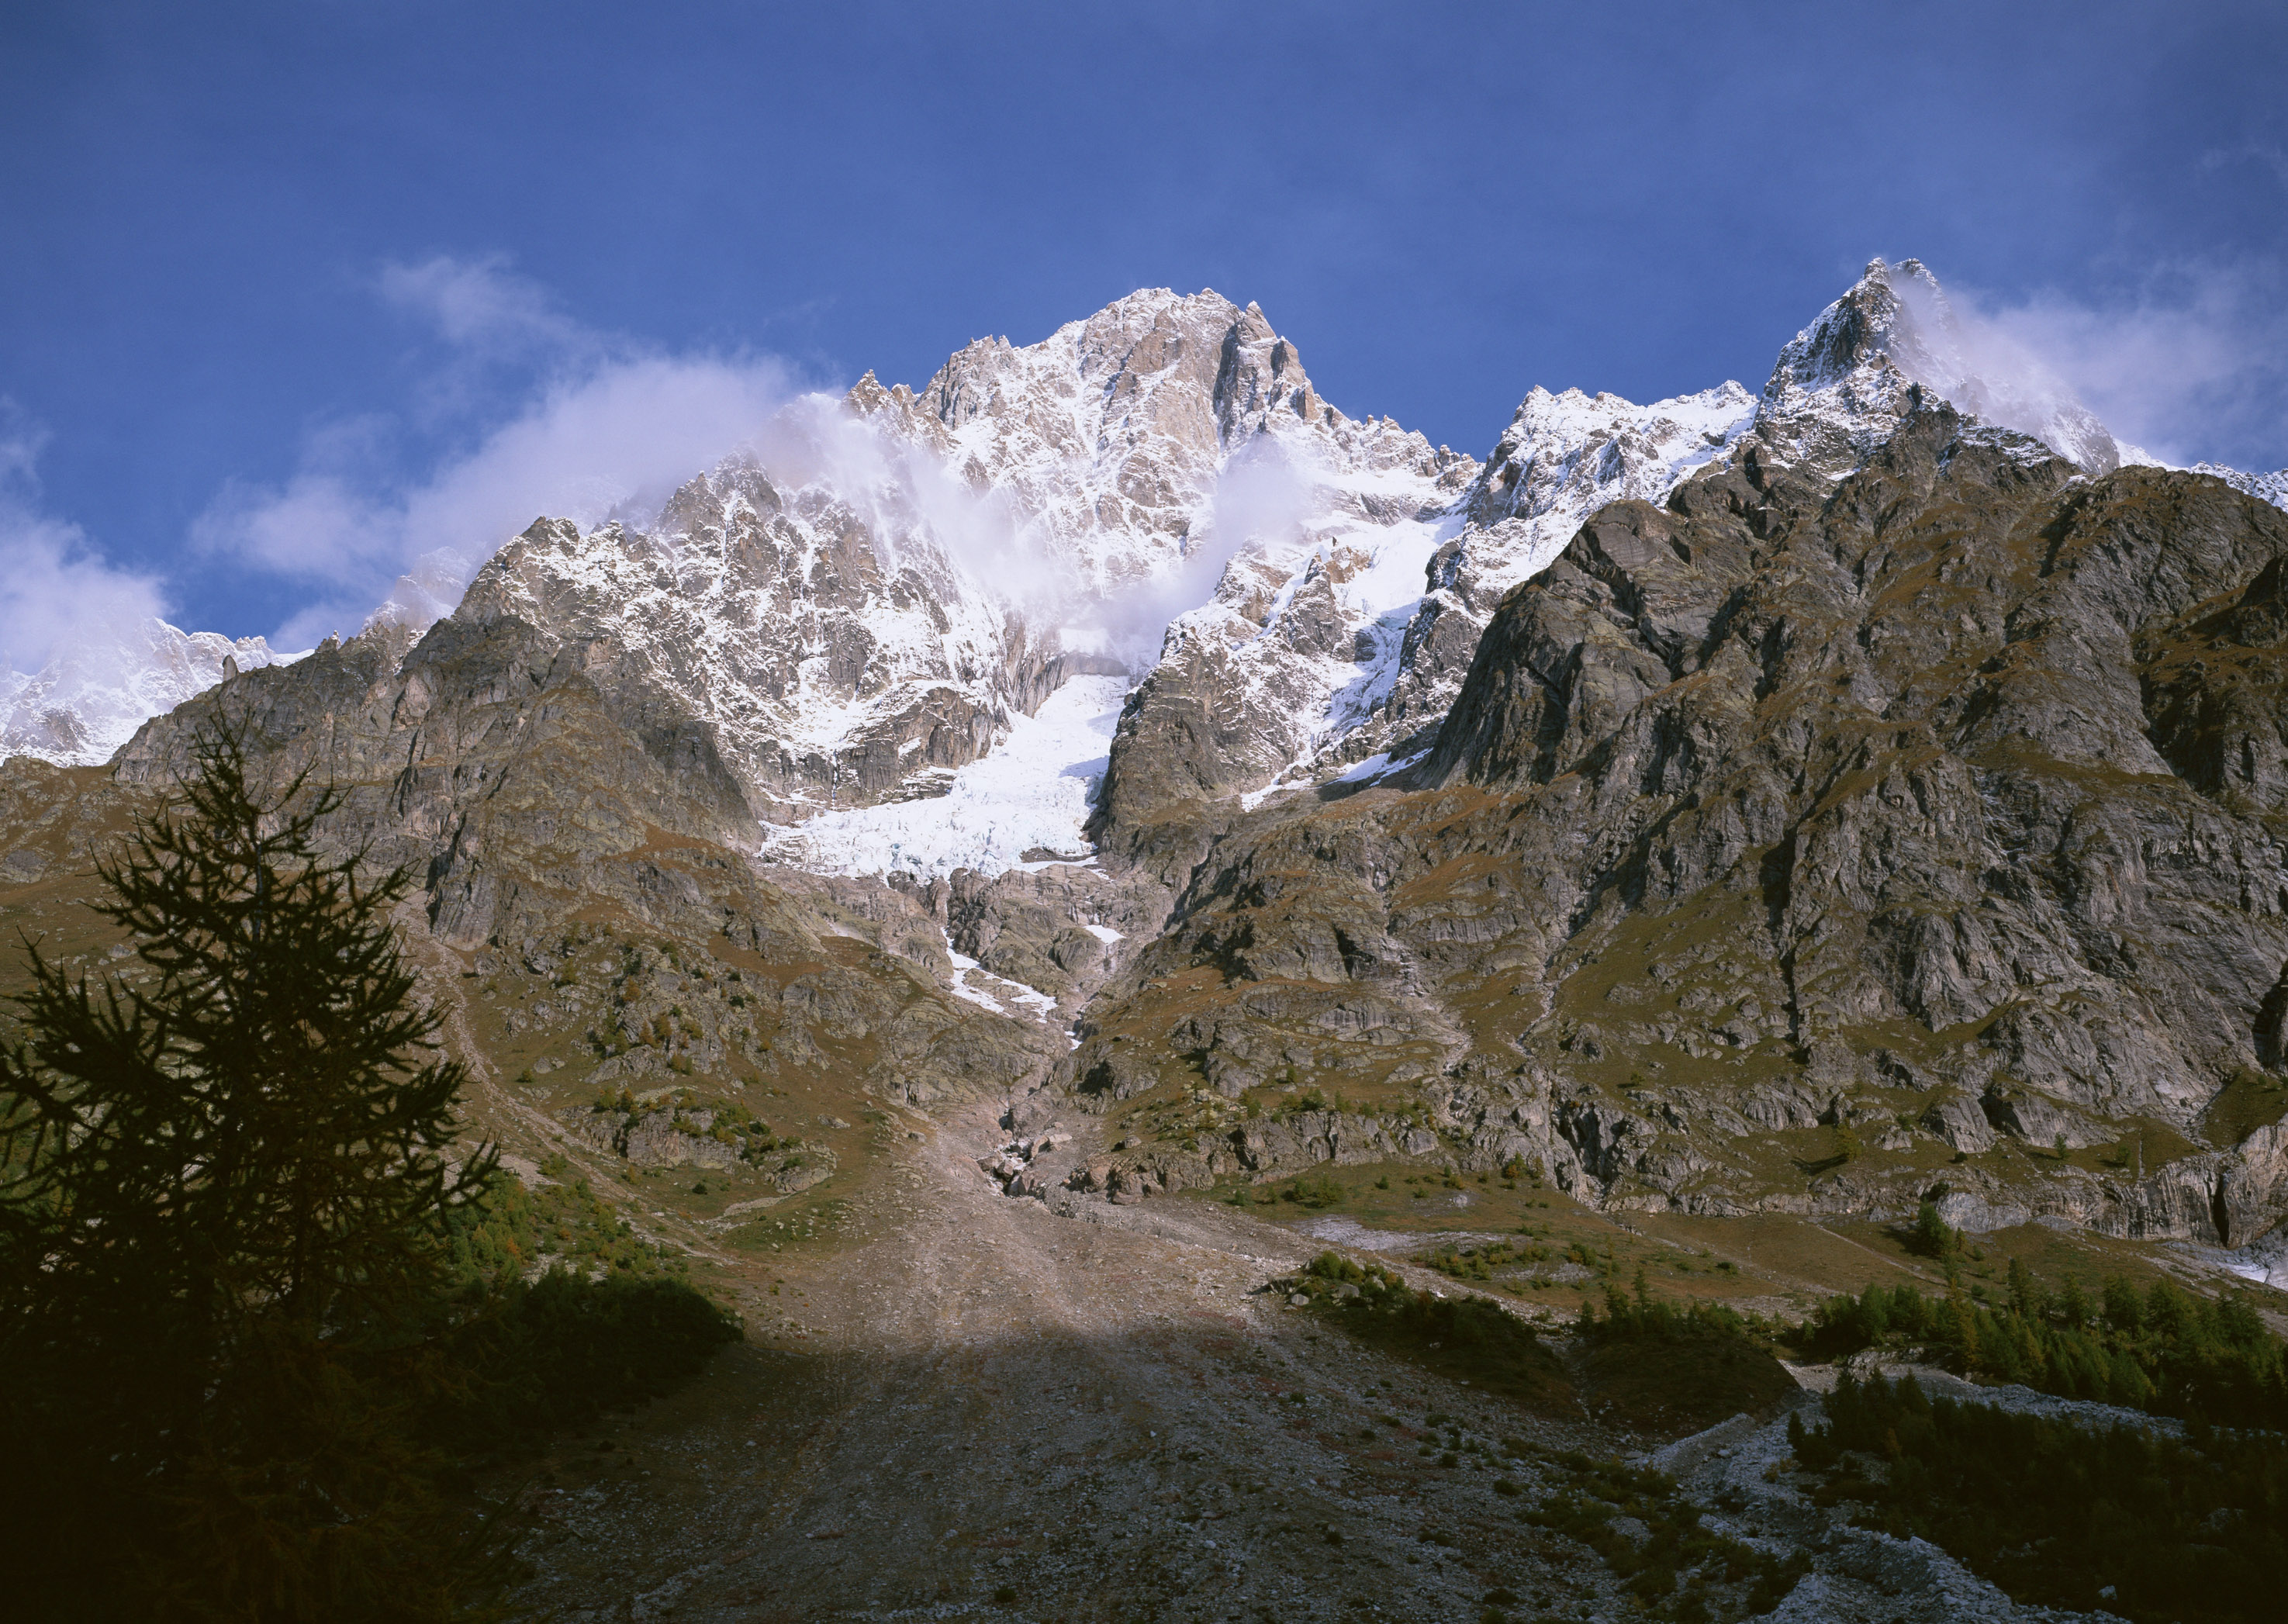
[{"x": 973, "y": 1406}]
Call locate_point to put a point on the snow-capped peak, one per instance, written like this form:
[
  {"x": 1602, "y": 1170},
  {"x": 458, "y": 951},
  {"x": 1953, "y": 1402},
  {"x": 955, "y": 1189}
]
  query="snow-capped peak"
[
  {"x": 2272, "y": 488},
  {"x": 1114, "y": 434},
  {"x": 1846, "y": 382}
]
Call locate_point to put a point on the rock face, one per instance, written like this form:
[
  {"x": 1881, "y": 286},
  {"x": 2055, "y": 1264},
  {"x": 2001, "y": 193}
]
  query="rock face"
[
  {"x": 1176, "y": 451},
  {"x": 1929, "y": 809}
]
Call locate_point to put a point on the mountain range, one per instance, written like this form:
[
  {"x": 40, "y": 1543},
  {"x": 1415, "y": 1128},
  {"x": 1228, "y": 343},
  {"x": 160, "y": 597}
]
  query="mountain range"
[{"x": 1121, "y": 687}]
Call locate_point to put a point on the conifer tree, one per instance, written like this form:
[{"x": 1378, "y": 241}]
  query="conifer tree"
[{"x": 227, "y": 1178}]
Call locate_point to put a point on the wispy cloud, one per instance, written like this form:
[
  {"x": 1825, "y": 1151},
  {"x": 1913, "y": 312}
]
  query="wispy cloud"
[
  {"x": 610, "y": 427},
  {"x": 481, "y": 304},
  {"x": 2191, "y": 363}
]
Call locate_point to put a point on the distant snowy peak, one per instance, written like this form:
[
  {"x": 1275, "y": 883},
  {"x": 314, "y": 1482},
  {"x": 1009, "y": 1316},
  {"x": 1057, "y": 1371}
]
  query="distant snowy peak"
[
  {"x": 1565, "y": 455},
  {"x": 2272, "y": 488},
  {"x": 1844, "y": 384},
  {"x": 1113, "y": 433},
  {"x": 89, "y": 701}
]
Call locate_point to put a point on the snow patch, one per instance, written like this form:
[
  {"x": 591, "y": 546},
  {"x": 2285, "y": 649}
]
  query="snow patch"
[{"x": 999, "y": 992}]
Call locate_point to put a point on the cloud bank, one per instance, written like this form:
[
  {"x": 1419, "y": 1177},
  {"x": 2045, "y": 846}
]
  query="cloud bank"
[{"x": 56, "y": 592}]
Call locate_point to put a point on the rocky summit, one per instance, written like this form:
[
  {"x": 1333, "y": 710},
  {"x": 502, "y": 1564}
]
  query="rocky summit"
[{"x": 998, "y": 876}]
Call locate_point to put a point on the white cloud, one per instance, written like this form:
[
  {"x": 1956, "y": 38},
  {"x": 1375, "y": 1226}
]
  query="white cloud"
[
  {"x": 481, "y": 304},
  {"x": 915, "y": 503},
  {"x": 2191, "y": 365},
  {"x": 1262, "y": 498},
  {"x": 56, "y": 592}
]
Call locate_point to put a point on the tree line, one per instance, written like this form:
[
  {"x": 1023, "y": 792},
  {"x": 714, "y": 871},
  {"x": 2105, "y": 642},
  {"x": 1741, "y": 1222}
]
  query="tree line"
[{"x": 2164, "y": 1348}]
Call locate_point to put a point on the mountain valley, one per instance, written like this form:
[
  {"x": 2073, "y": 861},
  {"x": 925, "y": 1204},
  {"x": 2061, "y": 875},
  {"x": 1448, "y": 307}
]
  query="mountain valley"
[{"x": 995, "y": 878}]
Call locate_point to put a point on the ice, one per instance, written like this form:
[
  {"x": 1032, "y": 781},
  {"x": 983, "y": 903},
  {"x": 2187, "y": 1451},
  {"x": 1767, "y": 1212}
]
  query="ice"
[{"x": 1031, "y": 790}]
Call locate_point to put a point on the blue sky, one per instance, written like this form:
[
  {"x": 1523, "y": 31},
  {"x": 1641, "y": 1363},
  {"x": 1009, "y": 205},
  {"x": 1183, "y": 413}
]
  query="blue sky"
[{"x": 294, "y": 291}]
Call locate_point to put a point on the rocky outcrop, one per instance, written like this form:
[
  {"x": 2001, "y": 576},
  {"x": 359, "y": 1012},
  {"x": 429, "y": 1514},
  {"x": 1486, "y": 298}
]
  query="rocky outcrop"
[{"x": 1794, "y": 839}]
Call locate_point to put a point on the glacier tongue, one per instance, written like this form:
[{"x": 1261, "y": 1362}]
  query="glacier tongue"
[{"x": 1030, "y": 794}]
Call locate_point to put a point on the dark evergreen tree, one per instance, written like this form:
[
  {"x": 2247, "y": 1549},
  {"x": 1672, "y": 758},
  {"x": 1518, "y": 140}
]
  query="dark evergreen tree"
[{"x": 228, "y": 1178}]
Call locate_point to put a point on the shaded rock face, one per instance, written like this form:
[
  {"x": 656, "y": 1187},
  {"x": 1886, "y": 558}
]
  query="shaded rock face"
[
  {"x": 1924, "y": 814},
  {"x": 500, "y": 763}
]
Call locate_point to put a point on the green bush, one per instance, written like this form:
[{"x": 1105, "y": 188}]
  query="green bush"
[{"x": 2164, "y": 1351}]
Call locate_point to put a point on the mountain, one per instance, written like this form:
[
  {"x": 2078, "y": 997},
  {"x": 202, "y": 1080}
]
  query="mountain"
[
  {"x": 888, "y": 641},
  {"x": 1678, "y": 846},
  {"x": 1201, "y": 723},
  {"x": 1932, "y": 806}
]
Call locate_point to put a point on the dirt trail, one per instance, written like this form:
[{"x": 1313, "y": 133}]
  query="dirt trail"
[{"x": 984, "y": 1409}]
